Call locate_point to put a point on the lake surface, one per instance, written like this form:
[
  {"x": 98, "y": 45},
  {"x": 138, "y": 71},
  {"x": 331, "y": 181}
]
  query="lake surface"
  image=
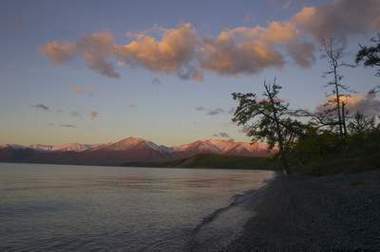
[{"x": 64, "y": 207}]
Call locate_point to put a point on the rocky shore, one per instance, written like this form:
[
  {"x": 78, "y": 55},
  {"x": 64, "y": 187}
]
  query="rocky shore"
[{"x": 299, "y": 213}]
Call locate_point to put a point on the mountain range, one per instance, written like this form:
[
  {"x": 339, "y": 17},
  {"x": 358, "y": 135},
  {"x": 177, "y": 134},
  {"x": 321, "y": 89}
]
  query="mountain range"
[{"x": 131, "y": 149}]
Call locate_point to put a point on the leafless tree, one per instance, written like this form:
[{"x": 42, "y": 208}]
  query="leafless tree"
[{"x": 333, "y": 51}]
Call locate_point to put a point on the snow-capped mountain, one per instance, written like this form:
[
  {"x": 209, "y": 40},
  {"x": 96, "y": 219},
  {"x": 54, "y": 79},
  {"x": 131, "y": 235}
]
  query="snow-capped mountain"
[
  {"x": 42, "y": 147},
  {"x": 198, "y": 147},
  {"x": 13, "y": 146},
  {"x": 131, "y": 149},
  {"x": 223, "y": 147},
  {"x": 76, "y": 147},
  {"x": 133, "y": 143}
]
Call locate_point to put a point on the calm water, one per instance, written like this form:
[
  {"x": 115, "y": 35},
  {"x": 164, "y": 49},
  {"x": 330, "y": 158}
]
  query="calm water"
[{"x": 60, "y": 208}]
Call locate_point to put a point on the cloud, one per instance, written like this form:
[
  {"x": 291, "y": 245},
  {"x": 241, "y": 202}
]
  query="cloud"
[
  {"x": 302, "y": 53},
  {"x": 200, "y": 108},
  {"x": 41, "y": 106},
  {"x": 287, "y": 4},
  {"x": 171, "y": 54},
  {"x": 249, "y": 50},
  {"x": 211, "y": 111},
  {"x": 168, "y": 55},
  {"x": 156, "y": 81},
  {"x": 59, "y": 52},
  {"x": 248, "y": 18},
  {"x": 132, "y": 106},
  {"x": 222, "y": 135},
  {"x": 95, "y": 49},
  {"x": 241, "y": 50},
  {"x": 216, "y": 111},
  {"x": 190, "y": 72},
  {"x": 367, "y": 104},
  {"x": 94, "y": 115},
  {"x": 340, "y": 18},
  {"x": 75, "y": 114},
  {"x": 67, "y": 126},
  {"x": 245, "y": 50},
  {"x": 83, "y": 90}
]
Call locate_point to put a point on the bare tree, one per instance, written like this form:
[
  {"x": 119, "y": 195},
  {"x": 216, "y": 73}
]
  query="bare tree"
[
  {"x": 333, "y": 51},
  {"x": 361, "y": 123}
]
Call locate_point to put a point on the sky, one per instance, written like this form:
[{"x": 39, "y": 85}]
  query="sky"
[{"x": 94, "y": 71}]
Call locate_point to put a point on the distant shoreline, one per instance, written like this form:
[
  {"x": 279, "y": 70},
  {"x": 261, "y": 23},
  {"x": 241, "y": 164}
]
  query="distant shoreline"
[
  {"x": 200, "y": 161},
  {"x": 299, "y": 213},
  {"x": 142, "y": 167}
]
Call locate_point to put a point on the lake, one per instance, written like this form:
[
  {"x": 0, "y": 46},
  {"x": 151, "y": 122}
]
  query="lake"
[{"x": 65, "y": 207}]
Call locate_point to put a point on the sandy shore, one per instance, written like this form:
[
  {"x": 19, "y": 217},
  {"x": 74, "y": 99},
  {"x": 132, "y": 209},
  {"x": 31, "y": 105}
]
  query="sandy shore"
[{"x": 298, "y": 213}]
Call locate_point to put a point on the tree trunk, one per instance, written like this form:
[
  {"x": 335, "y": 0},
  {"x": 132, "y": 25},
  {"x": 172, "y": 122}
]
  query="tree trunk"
[
  {"x": 344, "y": 119},
  {"x": 338, "y": 101},
  {"x": 285, "y": 165},
  {"x": 284, "y": 161}
]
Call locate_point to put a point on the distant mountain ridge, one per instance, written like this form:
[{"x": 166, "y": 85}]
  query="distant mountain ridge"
[
  {"x": 131, "y": 149},
  {"x": 64, "y": 147},
  {"x": 222, "y": 147}
]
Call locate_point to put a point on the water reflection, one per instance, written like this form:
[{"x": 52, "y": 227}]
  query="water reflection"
[{"x": 53, "y": 207}]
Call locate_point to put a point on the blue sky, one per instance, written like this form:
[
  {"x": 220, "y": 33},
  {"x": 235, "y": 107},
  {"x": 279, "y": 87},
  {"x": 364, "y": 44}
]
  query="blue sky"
[{"x": 85, "y": 106}]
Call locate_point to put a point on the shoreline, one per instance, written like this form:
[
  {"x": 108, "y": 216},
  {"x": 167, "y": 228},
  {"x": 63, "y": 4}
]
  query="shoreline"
[
  {"x": 225, "y": 224},
  {"x": 298, "y": 213},
  {"x": 143, "y": 167}
]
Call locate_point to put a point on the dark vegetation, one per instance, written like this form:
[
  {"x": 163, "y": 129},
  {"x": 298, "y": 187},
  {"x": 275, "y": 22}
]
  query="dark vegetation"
[
  {"x": 333, "y": 139},
  {"x": 370, "y": 55}
]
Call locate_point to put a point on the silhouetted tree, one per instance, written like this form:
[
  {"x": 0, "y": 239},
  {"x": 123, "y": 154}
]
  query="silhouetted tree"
[
  {"x": 370, "y": 56},
  {"x": 268, "y": 119},
  {"x": 361, "y": 124},
  {"x": 333, "y": 52}
]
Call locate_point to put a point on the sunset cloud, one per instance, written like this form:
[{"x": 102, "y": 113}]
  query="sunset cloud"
[
  {"x": 211, "y": 111},
  {"x": 241, "y": 50},
  {"x": 156, "y": 81},
  {"x": 75, "y": 114},
  {"x": 82, "y": 90},
  {"x": 302, "y": 53},
  {"x": 95, "y": 49},
  {"x": 252, "y": 49},
  {"x": 225, "y": 56},
  {"x": 171, "y": 54},
  {"x": 216, "y": 111},
  {"x": 340, "y": 18},
  {"x": 367, "y": 104},
  {"x": 222, "y": 135},
  {"x": 94, "y": 115},
  {"x": 59, "y": 52},
  {"x": 41, "y": 106},
  {"x": 67, "y": 126}
]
